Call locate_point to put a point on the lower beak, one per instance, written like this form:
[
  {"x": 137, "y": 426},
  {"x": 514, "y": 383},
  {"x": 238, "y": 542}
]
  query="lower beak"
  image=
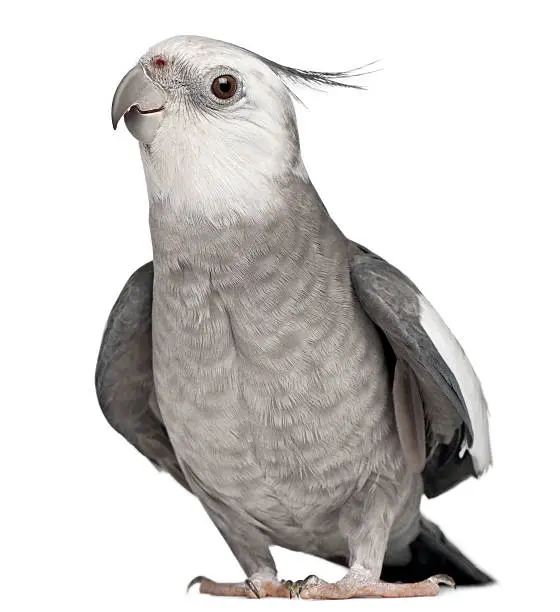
[{"x": 141, "y": 102}]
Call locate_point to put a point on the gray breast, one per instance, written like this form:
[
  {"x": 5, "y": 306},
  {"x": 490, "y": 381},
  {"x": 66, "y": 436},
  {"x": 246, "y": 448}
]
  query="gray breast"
[{"x": 271, "y": 381}]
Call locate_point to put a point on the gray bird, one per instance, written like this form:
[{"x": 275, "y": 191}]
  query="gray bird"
[{"x": 300, "y": 386}]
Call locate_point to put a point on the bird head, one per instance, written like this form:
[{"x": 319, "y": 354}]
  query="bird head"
[{"x": 213, "y": 120}]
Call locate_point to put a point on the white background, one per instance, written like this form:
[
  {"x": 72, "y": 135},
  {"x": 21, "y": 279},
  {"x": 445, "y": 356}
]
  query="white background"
[{"x": 447, "y": 166}]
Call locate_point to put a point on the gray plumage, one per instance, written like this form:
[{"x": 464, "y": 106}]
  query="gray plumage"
[
  {"x": 275, "y": 423},
  {"x": 124, "y": 377},
  {"x": 283, "y": 374}
]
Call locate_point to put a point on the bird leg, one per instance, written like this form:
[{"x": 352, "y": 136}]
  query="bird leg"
[
  {"x": 366, "y": 521},
  {"x": 251, "y": 549}
]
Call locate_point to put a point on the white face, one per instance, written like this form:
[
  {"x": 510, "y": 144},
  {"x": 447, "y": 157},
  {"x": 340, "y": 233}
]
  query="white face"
[{"x": 227, "y": 129}]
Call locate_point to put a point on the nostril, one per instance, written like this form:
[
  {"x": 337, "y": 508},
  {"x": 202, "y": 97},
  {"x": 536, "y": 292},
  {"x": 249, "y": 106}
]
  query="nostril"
[{"x": 159, "y": 62}]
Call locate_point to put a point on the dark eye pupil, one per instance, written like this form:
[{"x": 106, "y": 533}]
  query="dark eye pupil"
[{"x": 224, "y": 86}]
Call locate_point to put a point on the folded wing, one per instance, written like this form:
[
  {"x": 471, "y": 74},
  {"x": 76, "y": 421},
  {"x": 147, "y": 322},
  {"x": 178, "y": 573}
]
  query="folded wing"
[
  {"x": 440, "y": 409},
  {"x": 124, "y": 377}
]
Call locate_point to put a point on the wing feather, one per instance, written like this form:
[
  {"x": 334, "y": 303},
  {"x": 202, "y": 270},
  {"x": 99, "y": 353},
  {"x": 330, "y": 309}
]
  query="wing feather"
[
  {"x": 124, "y": 377},
  {"x": 409, "y": 415},
  {"x": 435, "y": 365}
]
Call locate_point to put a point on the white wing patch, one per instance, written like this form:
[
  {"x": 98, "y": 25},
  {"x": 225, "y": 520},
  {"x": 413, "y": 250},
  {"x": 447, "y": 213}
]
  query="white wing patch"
[{"x": 454, "y": 356}]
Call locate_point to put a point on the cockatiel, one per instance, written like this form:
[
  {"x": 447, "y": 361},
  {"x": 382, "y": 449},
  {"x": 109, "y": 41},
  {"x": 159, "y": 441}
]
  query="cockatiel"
[{"x": 299, "y": 385}]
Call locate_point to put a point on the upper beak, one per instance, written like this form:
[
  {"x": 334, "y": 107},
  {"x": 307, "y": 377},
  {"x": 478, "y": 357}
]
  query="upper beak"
[{"x": 141, "y": 102}]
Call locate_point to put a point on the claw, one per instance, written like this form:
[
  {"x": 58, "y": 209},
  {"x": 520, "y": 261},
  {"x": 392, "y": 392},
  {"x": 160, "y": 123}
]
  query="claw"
[
  {"x": 443, "y": 579},
  {"x": 289, "y": 585},
  {"x": 253, "y": 588},
  {"x": 299, "y": 585},
  {"x": 196, "y": 580}
]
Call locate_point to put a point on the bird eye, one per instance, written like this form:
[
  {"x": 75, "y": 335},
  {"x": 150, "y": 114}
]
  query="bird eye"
[{"x": 224, "y": 87}]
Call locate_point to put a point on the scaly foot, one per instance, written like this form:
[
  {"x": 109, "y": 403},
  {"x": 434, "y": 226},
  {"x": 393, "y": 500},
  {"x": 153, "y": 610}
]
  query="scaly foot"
[
  {"x": 254, "y": 588},
  {"x": 355, "y": 585},
  {"x": 351, "y": 586}
]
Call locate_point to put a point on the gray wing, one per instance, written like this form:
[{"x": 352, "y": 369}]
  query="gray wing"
[
  {"x": 440, "y": 409},
  {"x": 124, "y": 377}
]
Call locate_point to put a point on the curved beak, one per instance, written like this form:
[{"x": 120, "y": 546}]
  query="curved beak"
[{"x": 141, "y": 102}]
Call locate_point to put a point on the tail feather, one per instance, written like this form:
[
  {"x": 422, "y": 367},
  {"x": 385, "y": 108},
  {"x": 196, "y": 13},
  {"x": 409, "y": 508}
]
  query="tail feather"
[{"x": 432, "y": 553}]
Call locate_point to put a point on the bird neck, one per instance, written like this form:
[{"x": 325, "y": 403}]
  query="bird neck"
[{"x": 232, "y": 244}]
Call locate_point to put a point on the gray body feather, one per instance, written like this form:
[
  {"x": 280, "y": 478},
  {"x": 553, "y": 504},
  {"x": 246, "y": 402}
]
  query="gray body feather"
[
  {"x": 281, "y": 392},
  {"x": 279, "y": 410}
]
